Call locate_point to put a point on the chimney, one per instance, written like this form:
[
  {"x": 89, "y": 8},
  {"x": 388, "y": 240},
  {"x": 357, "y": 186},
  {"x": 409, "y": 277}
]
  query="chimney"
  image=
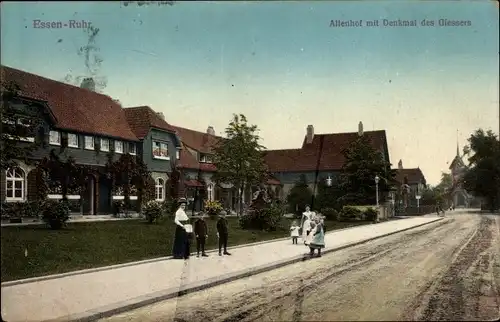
[
  {"x": 400, "y": 164},
  {"x": 210, "y": 130},
  {"x": 309, "y": 134},
  {"x": 88, "y": 83},
  {"x": 161, "y": 115},
  {"x": 360, "y": 128}
]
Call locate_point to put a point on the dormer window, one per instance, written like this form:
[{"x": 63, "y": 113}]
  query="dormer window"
[
  {"x": 118, "y": 146},
  {"x": 24, "y": 123},
  {"x": 105, "y": 145},
  {"x": 132, "y": 149},
  {"x": 55, "y": 138},
  {"x": 72, "y": 140},
  {"x": 205, "y": 158},
  {"x": 89, "y": 143},
  {"x": 160, "y": 150}
]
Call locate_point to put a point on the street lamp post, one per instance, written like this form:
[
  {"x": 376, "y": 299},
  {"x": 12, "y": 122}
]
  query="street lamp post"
[
  {"x": 321, "y": 143},
  {"x": 329, "y": 181},
  {"x": 377, "y": 179}
]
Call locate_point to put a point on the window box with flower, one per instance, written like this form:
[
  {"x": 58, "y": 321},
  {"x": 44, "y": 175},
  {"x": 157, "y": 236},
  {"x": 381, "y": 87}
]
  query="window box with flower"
[{"x": 213, "y": 208}]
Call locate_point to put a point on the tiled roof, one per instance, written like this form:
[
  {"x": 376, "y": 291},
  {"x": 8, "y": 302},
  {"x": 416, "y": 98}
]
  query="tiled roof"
[
  {"x": 199, "y": 141},
  {"x": 76, "y": 109},
  {"x": 273, "y": 182},
  {"x": 193, "y": 183},
  {"x": 306, "y": 158},
  {"x": 414, "y": 176},
  {"x": 143, "y": 118}
]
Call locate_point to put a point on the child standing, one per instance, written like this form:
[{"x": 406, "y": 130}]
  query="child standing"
[{"x": 294, "y": 232}]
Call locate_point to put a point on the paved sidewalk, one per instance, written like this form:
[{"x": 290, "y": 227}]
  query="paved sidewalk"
[{"x": 87, "y": 296}]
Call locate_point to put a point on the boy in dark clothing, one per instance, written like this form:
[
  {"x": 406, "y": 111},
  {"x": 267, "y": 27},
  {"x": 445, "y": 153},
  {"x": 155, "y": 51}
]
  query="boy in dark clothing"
[
  {"x": 222, "y": 234},
  {"x": 201, "y": 233}
]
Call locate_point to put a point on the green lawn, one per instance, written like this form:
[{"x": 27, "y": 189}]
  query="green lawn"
[{"x": 96, "y": 244}]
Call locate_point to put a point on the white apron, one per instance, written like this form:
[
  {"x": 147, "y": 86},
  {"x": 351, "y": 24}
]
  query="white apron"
[{"x": 305, "y": 228}]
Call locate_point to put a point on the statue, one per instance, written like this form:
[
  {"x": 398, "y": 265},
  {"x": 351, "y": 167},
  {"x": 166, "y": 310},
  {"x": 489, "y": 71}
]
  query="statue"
[
  {"x": 405, "y": 191},
  {"x": 259, "y": 199}
]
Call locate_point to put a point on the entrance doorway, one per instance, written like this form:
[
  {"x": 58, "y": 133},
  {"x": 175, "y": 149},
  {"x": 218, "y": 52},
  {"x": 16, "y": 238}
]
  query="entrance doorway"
[{"x": 88, "y": 202}]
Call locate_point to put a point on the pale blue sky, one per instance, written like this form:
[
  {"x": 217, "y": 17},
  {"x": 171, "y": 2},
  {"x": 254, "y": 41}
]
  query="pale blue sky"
[{"x": 283, "y": 66}]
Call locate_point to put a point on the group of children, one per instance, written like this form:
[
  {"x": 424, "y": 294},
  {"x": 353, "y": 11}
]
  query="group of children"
[{"x": 312, "y": 231}]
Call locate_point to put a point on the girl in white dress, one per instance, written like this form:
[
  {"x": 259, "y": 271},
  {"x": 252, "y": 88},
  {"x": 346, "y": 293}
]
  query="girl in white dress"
[
  {"x": 305, "y": 215},
  {"x": 294, "y": 232}
]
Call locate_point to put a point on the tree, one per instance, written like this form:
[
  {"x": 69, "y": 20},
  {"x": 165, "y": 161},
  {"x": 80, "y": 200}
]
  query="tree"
[
  {"x": 327, "y": 196},
  {"x": 20, "y": 137},
  {"x": 483, "y": 176},
  {"x": 299, "y": 196},
  {"x": 446, "y": 182},
  {"x": 239, "y": 157},
  {"x": 65, "y": 175},
  {"x": 357, "y": 179},
  {"x": 131, "y": 175},
  {"x": 432, "y": 195}
]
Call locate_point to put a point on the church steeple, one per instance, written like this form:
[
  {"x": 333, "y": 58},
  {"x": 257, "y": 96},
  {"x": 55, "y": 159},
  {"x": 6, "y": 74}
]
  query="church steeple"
[{"x": 458, "y": 150}]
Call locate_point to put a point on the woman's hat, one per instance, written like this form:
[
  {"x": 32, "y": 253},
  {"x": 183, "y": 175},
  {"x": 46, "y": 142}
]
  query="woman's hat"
[{"x": 182, "y": 200}]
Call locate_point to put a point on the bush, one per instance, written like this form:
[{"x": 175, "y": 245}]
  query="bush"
[
  {"x": 350, "y": 213},
  {"x": 153, "y": 211},
  {"x": 55, "y": 213},
  {"x": 269, "y": 218},
  {"x": 169, "y": 206},
  {"x": 330, "y": 213},
  {"x": 370, "y": 214},
  {"x": 213, "y": 208},
  {"x": 29, "y": 209},
  {"x": 118, "y": 207}
]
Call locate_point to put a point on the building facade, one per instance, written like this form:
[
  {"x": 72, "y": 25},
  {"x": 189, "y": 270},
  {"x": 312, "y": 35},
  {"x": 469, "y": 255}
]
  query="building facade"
[
  {"x": 159, "y": 147},
  {"x": 413, "y": 181},
  {"x": 320, "y": 157},
  {"x": 196, "y": 164},
  {"x": 75, "y": 122},
  {"x": 96, "y": 126}
]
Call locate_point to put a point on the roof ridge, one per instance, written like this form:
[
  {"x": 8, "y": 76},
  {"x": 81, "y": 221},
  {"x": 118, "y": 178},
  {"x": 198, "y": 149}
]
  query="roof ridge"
[
  {"x": 199, "y": 132},
  {"x": 338, "y": 133},
  {"x": 60, "y": 82},
  {"x": 294, "y": 149}
]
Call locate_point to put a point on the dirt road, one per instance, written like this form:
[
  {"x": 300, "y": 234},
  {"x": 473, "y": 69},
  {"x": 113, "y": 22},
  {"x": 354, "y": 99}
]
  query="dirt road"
[{"x": 449, "y": 270}]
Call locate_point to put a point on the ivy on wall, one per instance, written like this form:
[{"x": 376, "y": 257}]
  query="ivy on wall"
[
  {"x": 42, "y": 183},
  {"x": 130, "y": 176},
  {"x": 62, "y": 177}
]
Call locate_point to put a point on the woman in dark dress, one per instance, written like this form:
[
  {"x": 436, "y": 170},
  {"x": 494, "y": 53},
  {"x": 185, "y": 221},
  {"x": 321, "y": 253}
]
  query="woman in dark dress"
[{"x": 183, "y": 229}]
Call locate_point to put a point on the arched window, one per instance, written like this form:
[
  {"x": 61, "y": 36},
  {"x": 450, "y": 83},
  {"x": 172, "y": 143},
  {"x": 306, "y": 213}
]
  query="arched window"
[
  {"x": 160, "y": 189},
  {"x": 16, "y": 182},
  {"x": 210, "y": 191}
]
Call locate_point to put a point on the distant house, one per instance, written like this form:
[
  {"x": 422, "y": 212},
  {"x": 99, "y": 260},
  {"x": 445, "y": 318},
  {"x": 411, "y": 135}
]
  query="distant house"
[
  {"x": 414, "y": 178},
  {"x": 160, "y": 146},
  {"x": 89, "y": 121},
  {"x": 320, "y": 156},
  {"x": 196, "y": 161}
]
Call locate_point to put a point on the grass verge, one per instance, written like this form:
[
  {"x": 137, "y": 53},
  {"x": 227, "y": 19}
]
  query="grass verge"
[{"x": 97, "y": 244}]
